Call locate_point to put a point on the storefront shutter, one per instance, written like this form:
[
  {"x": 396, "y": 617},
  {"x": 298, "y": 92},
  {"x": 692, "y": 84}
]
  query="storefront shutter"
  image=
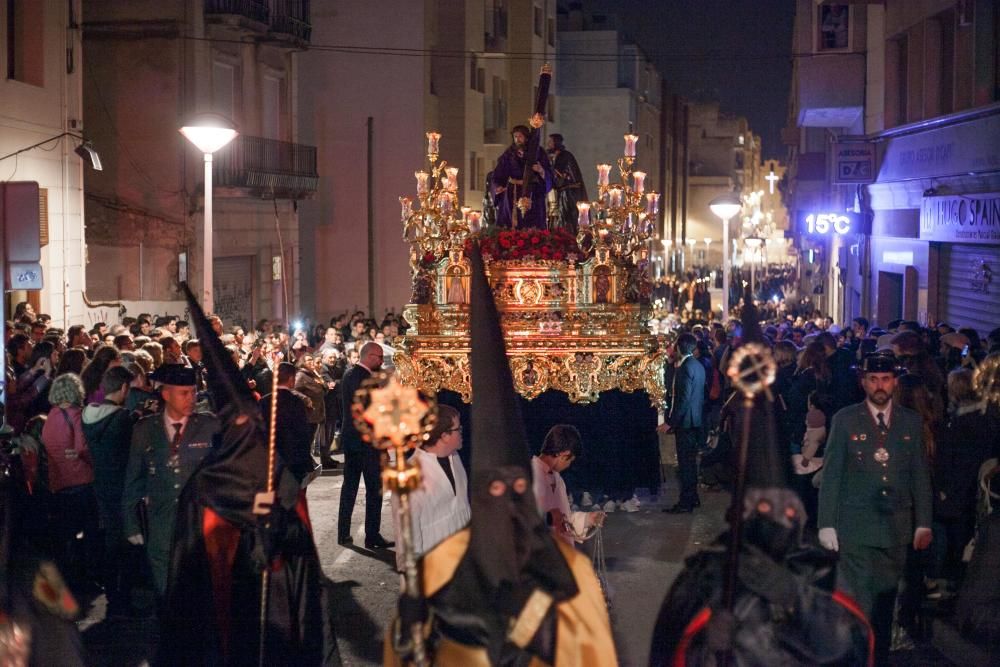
[
  {"x": 970, "y": 286},
  {"x": 233, "y": 284}
]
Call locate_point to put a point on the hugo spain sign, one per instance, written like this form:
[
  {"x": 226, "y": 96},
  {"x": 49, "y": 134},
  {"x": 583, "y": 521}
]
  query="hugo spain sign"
[{"x": 961, "y": 218}]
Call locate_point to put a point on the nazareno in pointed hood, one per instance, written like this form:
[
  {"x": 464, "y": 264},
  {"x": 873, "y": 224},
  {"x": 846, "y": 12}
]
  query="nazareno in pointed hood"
[
  {"x": 230, "y": 477},
  {"x": 511, "y": 551}
]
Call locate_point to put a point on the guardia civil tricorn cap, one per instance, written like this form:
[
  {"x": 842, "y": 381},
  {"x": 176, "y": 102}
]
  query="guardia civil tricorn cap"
[{"x": 880, "y": 362}]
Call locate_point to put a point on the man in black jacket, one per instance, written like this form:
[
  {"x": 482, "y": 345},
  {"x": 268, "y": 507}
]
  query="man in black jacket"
[
  {"x": 293, "y": 433},
  {"x": 685, "y": 420},
  {"x": 359, "y": 458}
]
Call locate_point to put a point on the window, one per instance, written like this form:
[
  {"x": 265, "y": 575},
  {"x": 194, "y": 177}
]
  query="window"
[
  {"x": 833, "y": 22},
  {"x": 481, "y": 80},
  {"x": 224, "y": 89},
  {"x": 26, "y": 41},
  {"x": 538, "y": 21},
  {"x": 270, "y": 122},
  {"x": 946, "y": 84},
  {"x": 474, "y": 176},
  {"x": 902, "y": 79},
  {"x": 550, "y": 31}
]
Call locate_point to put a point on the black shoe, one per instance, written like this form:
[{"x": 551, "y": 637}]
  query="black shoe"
[
  {"x": 680, "y": 509},
  {"x": 378, "y": 542},
  {"x": 345, "y": 540}
]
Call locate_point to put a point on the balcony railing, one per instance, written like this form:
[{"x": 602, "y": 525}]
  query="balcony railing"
[
  {"x": 291, "y": 17},
  {"x": 278, "y": 168},
  {"x": 287, "y": 19},
  {"x": 255, "y": 10}
]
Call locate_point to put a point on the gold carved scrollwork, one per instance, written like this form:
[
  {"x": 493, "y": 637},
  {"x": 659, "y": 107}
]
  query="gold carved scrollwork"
[{"x": 528, "y": 292}]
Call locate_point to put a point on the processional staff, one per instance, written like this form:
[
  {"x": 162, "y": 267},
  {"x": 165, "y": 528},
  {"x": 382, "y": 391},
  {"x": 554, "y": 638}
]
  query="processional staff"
[
  {"x": 392, "y": 416},
  {"x": 752, "y": 370}
]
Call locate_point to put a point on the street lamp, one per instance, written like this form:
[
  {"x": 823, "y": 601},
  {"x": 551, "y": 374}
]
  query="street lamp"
[
  {"x": 725, "y": 207},
  {"x": 753, "y": 243},
  {"x": 208, "y": 132}
]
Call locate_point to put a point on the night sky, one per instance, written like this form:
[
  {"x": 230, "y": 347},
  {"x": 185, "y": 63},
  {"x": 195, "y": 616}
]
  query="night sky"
[{"x": 735, "y": 51}]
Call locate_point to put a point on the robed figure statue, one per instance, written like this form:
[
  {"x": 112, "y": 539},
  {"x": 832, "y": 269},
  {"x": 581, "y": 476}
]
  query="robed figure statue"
[
  {"x": 518, "y": 205},
  {"x": 568, "y": 184}
]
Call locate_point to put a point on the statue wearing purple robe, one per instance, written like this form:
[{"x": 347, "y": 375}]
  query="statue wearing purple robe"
[{"x": 508, "y": 185}]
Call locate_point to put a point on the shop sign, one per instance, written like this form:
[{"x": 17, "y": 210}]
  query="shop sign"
[
  {"x": 854, "y": 162},
  {"x": 961, "y": 218},
  {"x": 956, "y": 150}
]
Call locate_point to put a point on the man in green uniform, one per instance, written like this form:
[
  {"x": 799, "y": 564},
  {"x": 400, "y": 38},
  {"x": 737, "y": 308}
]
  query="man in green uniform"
[
  {"x": 166, "y": 448},
  {"x": 876, "y": 494}
]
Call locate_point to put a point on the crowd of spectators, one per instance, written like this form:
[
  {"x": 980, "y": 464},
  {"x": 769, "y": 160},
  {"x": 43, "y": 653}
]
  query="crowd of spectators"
[
  {"x": 72, "y": 397},
  {"x": 816, "y": 377}
]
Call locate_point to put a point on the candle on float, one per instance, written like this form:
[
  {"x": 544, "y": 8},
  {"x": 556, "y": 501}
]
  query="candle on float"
[
  {"x": 639, "y": 178},
  {"x": 652, "y": 204},
  {"x": 474, "y": 225},
  {"x": 603, "y": 171},
  {"x": 407, "y": 206},
  {"x": 615, "y": 197},
  {"x": 584, "y": 210},
  {"x": 432, "y": 142},
  {"x": 422, "y": 177},
  {"x": 452, "y": 177},
  {"x": 630, "y": 141},
  {"x": 465, "y": 212},
  {"x": 444, "y": 203}
]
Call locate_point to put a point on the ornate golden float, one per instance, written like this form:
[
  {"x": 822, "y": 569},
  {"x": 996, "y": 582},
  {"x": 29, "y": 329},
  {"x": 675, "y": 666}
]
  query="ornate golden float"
[{"x": 573, "y": 307}]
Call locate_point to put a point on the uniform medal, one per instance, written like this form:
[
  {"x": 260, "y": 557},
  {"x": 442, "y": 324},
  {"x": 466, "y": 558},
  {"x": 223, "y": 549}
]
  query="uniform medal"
[{"x": 881, "y": 455}]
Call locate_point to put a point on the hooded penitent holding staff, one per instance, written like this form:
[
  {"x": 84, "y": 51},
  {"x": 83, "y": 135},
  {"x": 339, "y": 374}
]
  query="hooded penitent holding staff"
[
  {"x": 228, "y": 532},
  {"x": 760, "y": 595},
  {"x": 503, "y": 591}
]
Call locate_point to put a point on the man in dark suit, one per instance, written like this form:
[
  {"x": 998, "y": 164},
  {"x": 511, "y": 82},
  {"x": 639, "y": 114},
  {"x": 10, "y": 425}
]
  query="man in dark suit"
[
  {"x": 685, "y": 420},
  {"x": 876, "y": 495},
  {"x": 360, "y": 459},
  {"x": 166, "y": 449},
  {"x": 293, "y": 433}
]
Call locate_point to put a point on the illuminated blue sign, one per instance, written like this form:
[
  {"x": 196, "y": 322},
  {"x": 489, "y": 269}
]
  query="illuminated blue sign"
[{"x": 828, "y": 223}]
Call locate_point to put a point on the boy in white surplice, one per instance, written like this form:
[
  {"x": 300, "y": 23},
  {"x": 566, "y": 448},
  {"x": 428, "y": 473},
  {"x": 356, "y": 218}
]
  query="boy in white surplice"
[{"x": 440, "y": 507}]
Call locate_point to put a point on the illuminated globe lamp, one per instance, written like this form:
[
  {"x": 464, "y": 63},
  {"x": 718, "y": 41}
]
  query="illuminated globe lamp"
[
  {"x": 209, "y": 132},
  {"x": 726, "y": 207}
]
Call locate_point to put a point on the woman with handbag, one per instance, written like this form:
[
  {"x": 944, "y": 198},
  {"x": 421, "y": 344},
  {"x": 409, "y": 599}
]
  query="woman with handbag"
[{"x": 71, "y": 483}]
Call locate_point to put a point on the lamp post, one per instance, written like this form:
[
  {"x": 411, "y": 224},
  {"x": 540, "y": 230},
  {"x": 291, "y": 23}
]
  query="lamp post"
[
  {"x": 208, "y": 132},
  {"x": 725, "y": 207},
  {"x": 753, "y": 243}
]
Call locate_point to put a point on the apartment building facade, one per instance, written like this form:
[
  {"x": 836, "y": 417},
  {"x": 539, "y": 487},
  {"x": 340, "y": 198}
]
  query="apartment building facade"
[
  {"x": 40, "y": 103},
  {"x": 467, "y": 69},
  {"x": 151, "y": 66},
  {"x": 904, "y": 151}
]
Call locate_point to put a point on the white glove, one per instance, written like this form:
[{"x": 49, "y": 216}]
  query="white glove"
[
  {"x": 136, "y": 539},
  {"x": 828, "y": 538}
]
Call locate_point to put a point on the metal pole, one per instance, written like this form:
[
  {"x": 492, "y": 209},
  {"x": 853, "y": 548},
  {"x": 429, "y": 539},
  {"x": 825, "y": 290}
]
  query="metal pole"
[
  {"x": 725, "y": 268},
  {"x": 370, "y": 191},
  {"x": 206, "y": 286}
]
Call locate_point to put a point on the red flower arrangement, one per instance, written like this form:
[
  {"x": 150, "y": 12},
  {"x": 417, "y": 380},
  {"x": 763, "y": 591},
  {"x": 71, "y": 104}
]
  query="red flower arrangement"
[{"x": 513, "y": 244}]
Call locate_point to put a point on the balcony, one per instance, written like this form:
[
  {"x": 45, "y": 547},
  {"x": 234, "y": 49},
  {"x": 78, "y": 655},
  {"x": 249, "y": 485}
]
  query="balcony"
[
  {"x": 831, "y": 90},
  {"x": 283, "y": 20},
  {"x": 253, "y": 14},
  {"x": 267, "y": 168},
  {"x": 290, "y": 19}
]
